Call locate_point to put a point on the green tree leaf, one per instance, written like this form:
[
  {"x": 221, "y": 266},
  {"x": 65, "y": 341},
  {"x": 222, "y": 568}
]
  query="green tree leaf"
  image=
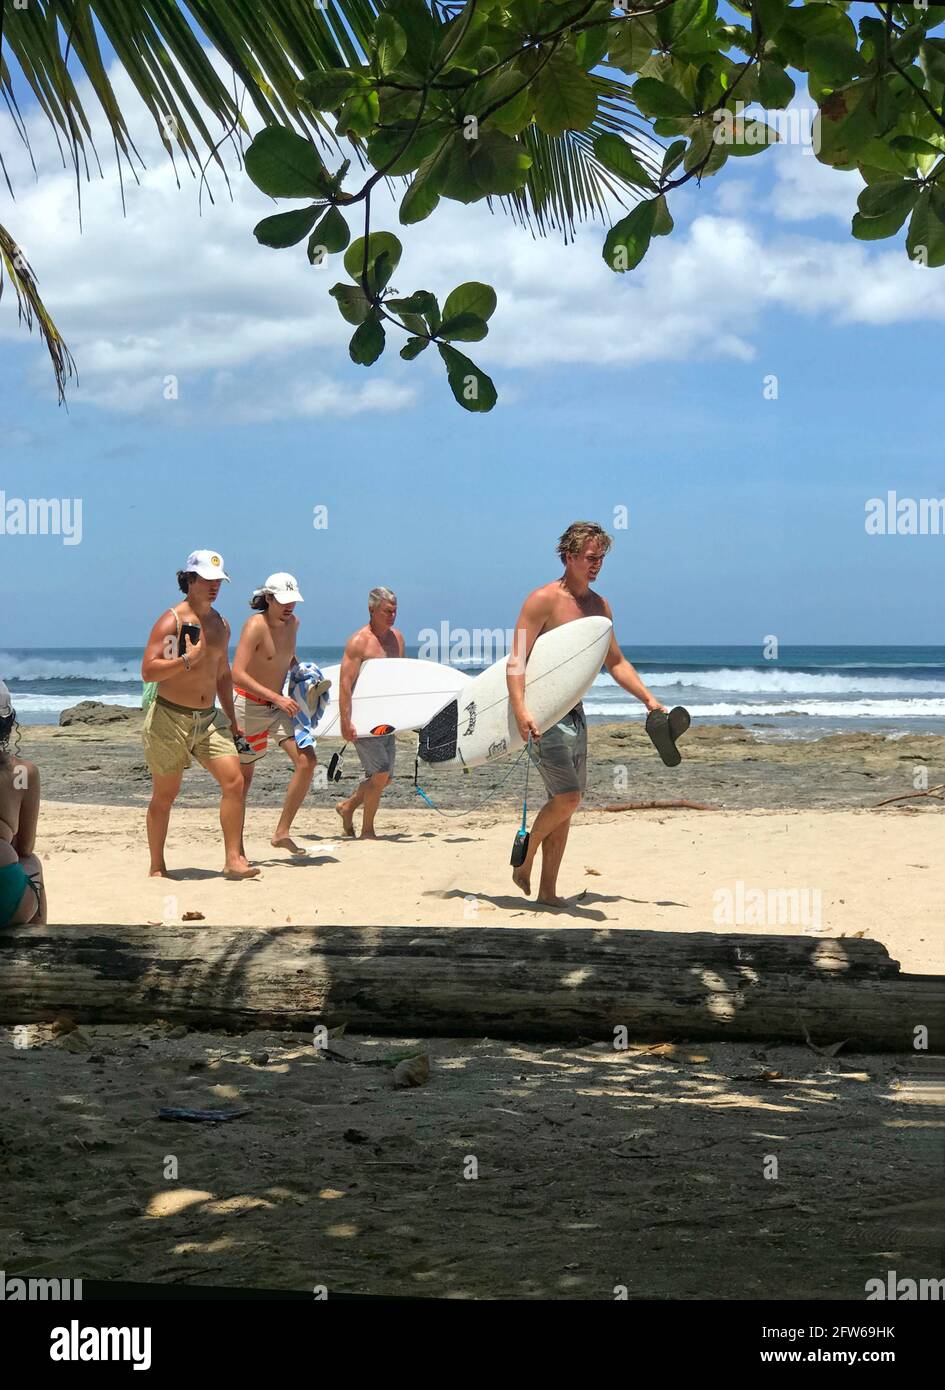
[
  {"x": 367, "y": 343},
  {"x": 566, "y": 98},
  {"x": 285, "y": 165},
  {"x": 509, "y": 88},
  {"x": 877, "y": 228},
  {"x": 470, "y": 298},
  {"x": 775, "y": 87},
  {"x": 844, "y": 125},
  {"x": 926, "y": 239},
  {"x": 380, "y": 243},
  {"x": 423, "y": 194},
  {"x": 631, "y": 43},
  {"x": 326, "y": 91},
  {"x": 627, "y": 241},
  {"x": 591, "y": 46},
  {"x": 413, "y": 347},
  {"x": 768, "y": 16},
  {"x": 391, "y": 41},
  {"x": 332, "y": 232},
  {"x": 932, "y": 54},
  {"x": 352, "y": 302},
  {"x": 833, "y": 61},
  {"x": 680, "y": 18},
  {"x": 655, "y": 98},
  {"x": 287, "y": 228},
  {"x": 359, "y": 114},
  {"x": 470, "y": 386},
  {"x": 420, "y": 302},
  {"x": 673, "y": 156},
  {"x": 380, "y": 272},
  {"x": 750, "y": 137},
  {"x": 493, "y": 164},
  {"x": 616, "y": 155},
  {"x": 407, "y": 153},
  {"x": 911, "y": 144},
  {"x": 662, "y": 219},
  {"x": 465, "y": 328},
  {"x": 887, "y": 197}
]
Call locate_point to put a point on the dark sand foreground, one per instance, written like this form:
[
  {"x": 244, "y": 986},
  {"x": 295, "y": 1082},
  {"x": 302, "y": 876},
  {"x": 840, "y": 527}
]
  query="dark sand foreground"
[{"x": 517, "y": 1171}]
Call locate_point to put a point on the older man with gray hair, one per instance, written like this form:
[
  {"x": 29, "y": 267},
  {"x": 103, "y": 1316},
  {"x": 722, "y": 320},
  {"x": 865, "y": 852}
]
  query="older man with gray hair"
[{"x": 377, "y": 752}]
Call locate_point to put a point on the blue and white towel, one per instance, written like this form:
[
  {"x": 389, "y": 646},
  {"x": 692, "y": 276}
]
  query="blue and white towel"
[{"x": 300, "y": 680}]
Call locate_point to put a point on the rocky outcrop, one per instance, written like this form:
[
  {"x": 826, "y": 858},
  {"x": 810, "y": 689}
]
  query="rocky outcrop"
[{"x": 95, "y": 712}]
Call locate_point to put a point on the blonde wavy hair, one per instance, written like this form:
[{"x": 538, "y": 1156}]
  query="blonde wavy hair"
[{"x": 576, "y": 537}]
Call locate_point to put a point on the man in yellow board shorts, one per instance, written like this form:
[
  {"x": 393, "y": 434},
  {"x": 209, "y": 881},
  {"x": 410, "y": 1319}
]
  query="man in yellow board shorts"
[{"x": 187, "y": 657}]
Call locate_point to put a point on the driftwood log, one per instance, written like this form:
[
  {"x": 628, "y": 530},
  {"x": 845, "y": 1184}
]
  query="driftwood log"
[{"x": 518, "y": 982}]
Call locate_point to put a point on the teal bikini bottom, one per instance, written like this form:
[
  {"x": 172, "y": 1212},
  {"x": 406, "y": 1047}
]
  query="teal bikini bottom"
[{"x": 14, "y": 881}]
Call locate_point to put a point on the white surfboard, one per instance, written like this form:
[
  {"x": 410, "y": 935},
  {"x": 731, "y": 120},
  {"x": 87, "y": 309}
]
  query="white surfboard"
[
  {"x": 478, "y": 725},
  {"x": 391, "y": 692}
]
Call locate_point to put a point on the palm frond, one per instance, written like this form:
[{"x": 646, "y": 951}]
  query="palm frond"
[
  {"x": 167, "y": 51},
  {"x": 31, "y": 309},
  {"x": 566, "y": 183}
]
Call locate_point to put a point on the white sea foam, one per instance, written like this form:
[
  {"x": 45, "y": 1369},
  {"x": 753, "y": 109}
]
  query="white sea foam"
[
  {"x": 746, "y": 681},
  {"x": 829, "y": 709},
  {"x": 54, "y": 704},
  {"x": 27, "y": 667}
]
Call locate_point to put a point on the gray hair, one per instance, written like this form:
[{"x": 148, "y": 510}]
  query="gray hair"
[{"x": 378, "y": 596}]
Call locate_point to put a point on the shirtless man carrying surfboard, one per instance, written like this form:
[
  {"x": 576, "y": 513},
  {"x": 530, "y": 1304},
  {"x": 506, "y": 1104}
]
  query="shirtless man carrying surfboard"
[
  {"x": 560, "y": 754},
  {"x": 377, "y": 752}
]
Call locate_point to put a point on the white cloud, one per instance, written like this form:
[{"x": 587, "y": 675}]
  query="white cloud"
[
  {"x": 804, "y": 188},
  {"x": 252, "y": 333}
]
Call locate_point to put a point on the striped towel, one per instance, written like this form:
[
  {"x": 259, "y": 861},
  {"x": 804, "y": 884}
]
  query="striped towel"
[{"x": 299, "y": 681}]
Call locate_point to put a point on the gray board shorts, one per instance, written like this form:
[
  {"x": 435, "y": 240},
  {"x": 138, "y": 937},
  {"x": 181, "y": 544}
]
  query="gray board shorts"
[
  {"x": 561, "y": 754},
  {"x": 377, "y": 753}
]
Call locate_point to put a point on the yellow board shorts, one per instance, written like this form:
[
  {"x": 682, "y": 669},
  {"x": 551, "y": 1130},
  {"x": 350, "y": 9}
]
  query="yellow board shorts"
[
  {"x": 173, "y": 734},
  {"x": 260, "y": 721}
]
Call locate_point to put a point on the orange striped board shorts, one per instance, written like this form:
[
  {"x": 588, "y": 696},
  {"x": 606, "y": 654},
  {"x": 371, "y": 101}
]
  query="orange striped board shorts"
[{"x": 259, "y": 721}]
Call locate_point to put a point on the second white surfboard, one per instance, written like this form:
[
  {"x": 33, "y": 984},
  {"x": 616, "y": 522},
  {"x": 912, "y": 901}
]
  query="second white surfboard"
[{"x": 478, "y": 725}]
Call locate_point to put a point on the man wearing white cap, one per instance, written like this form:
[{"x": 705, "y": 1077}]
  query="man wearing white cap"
[
  {"x": 265, "y": 654},
  {"x": 187, "y": 667}
]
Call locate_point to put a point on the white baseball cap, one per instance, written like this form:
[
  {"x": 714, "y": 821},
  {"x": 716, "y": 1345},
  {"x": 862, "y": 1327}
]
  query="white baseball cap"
[
  {"x": 284, "y": 588},
  {"x": 207, "y": 563},
  {"x": 6, "y": 704}
]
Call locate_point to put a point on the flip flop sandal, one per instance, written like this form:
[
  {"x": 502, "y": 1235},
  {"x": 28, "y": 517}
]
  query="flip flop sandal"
[
  {"x": 315, "y": 693},
  {"x": 664, "y": 729}
]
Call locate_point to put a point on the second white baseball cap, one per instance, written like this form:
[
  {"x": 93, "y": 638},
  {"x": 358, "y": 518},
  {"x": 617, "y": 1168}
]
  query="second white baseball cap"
[
  {"x": 284, "y": 588},
  {"x": 207, "y": 563}
]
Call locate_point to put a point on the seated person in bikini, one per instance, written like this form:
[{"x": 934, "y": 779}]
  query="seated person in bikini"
[{"x": 22, "y": 893}]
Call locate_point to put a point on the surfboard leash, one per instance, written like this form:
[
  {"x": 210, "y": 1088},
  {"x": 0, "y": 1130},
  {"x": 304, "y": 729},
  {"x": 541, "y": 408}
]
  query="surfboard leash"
[
  {"x": 455, "y": 815},
  {"x": 520, "y": 843}
]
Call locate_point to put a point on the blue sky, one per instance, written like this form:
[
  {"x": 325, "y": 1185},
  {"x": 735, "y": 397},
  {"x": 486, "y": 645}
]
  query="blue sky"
[{"x": 644, "y": 391}]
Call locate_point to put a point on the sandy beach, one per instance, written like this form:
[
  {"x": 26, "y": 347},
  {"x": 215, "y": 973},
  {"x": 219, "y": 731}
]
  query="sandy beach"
[
  {"x": 518, "y": 1171},
  {"x": 594, "y": 1170},
  {"x": 791, "y": 815}
]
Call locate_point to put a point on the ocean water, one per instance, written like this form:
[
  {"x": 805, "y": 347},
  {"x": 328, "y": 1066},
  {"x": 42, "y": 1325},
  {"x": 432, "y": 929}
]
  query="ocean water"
[{"x": 807, "y": 692}]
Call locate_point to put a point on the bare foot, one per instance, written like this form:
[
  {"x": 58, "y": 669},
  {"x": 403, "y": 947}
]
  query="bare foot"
[
  {"x": 286, "y": 842},
  {"x": 368, "y": 835},
  {"x": 240, "y": 869},
  {"x": 552, "y": 901},
  {"x": 522, "y": 879},
  {"x": 347, "y": 817},
  {"x": 159, "y": 873}
]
